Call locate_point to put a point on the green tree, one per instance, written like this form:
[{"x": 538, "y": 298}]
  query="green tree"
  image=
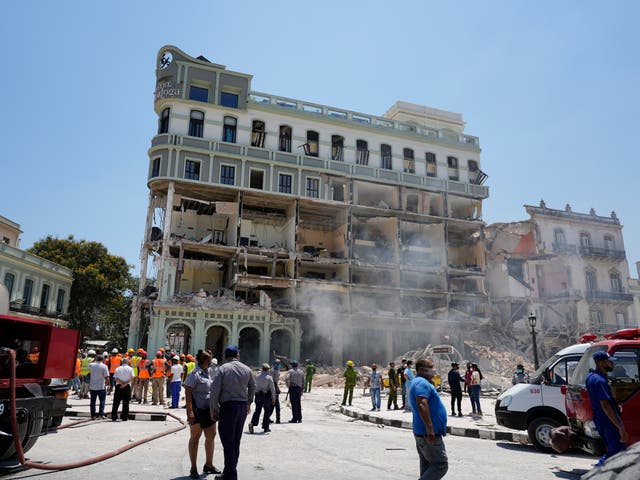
[{"x": 102, "y": 287}]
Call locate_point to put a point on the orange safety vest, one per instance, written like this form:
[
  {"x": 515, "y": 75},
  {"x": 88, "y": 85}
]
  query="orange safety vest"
[
  {"x": 143, "y": 370},
  {"x": 78, "y": 365},
  {"x": 158, "y": 363},
  {"x": 33, "y": 357},
  {"x": 114, "y": 363}
]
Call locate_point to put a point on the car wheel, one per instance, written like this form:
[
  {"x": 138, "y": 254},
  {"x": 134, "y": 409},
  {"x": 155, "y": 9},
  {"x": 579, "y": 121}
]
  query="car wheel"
[{"x": 540, "y": 433}]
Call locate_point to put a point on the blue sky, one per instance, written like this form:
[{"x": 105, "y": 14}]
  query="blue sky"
[{"x": 551, "y": 88}]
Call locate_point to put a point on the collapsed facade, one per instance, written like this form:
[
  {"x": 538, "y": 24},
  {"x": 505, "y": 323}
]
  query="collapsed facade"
[
  {"x": 288, "y": 226},
  {"x": 567, "y": 268}
]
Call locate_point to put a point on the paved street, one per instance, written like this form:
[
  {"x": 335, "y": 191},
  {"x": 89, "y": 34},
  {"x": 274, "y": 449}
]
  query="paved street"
[{"x": 326, "y": 445}]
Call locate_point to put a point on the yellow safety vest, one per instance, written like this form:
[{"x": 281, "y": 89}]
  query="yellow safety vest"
[
  {"x": 84, "y": 369},
  {"x": 134, "y": 364},
  {"x": 190, "y": 367}
]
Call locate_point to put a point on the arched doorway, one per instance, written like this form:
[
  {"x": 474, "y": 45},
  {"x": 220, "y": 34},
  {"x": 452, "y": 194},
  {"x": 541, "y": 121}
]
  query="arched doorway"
[
  {"x": 217, "y": 339},
  {"x": 280, "y": 343},
  {"x": 249, "y": 345},
  {"x": 178, "y": 338}
]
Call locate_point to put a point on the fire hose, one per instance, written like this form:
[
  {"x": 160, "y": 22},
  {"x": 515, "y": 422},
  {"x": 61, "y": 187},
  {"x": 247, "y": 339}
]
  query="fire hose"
[{"x": 81, "y": 463}]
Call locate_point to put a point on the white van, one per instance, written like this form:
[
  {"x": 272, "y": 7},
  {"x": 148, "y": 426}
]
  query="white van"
[{"x": 538, "y": 406}]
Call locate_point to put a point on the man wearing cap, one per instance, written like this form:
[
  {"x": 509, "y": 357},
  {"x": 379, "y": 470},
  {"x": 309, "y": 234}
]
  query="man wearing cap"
[
  {"x": 606, "y": 413},
  {"x": 176, "y": 381},
  {"x": 265, "y": 398},
  {"x": 275, "y": 374},
  {"x": 350, "y": 376},
  {"x": 123, "y": 377},
  {"x": 232, "y": 392},
  {"x": 310, "y": 371},
  {"x": 295, "y": 384},
  {"x": 520, "y": 376},
  {"x": 455, "y": 380}
]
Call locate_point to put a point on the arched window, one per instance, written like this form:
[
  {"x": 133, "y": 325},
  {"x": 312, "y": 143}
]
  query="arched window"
[
  {"x": 312, "y": 145},
  {"x": 362, "y": 152},
  {"x": 432, "y": 169},
  {"x": 385, "y": 156},
  {"x": 284, "y": 144},
  {"x": 337, "y": 148},
  {"x": 229, "y": 129},
  {"x": 409, "y": 162},
  {"x": 196, "y": 123},
  {"x": 258, "y": 134},
  {"x": 163, "y": 124},
  {"x": 452, "y": 163}
]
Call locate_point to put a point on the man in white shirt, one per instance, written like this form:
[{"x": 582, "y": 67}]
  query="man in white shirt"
[
  {"x": 123, "y": 378},
  {"x": 175, "y": 384},
  {"x": 98, "y": 381}
]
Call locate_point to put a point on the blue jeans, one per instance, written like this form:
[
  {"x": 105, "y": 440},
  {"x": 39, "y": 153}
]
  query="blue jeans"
[
  {"x": 175, "y": 393},
  {"x": 375, "y": 397},
  {"x": 102, "y": 396},
  {"x": 611, "y": 437},
  {"x": 474, "y": 395},
  {"x": 433, "y": 458}
]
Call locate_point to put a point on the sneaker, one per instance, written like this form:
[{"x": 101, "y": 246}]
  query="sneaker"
[
  {"x": 210, "y": 469},
  {"x": 251, "y": 428}
]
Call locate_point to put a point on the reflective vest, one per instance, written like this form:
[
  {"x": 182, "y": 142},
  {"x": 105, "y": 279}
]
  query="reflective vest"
[
  {"x": 33, "y": 357},
  {"x": 190, "y": 367},
  {"x": 134, "y": 364},
  {"x": 143, "y": 369},
  {"x": 114, "y": 363},
  {"x": 84, "y": 369},
  {"x": 78, "y": 367},
  {"x": 158, "y": 364}
]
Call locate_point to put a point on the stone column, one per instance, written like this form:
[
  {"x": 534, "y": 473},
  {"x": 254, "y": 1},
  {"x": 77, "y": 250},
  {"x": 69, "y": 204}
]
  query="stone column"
[
  {"x": 199, "y": 337},
  {"x": 163, "y": 285},
  {"x": 265, "y": 338}
]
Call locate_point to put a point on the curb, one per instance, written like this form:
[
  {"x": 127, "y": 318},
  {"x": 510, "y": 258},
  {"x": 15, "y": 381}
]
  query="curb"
[
  {"x": 149, "y": 417},
  {"x": 484, "y": 434}
]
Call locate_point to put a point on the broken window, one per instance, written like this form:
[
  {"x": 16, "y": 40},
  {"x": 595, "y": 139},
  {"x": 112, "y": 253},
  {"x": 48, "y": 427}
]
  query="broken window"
[
  {"x": 452, "y": 163},
  {"x": 192, "y": 170},
  {"x": 385, "y": 156},
  {"x": 229, "y": 129},
  {"x": 362, "y": 152},
  {"x": 256, "y": 179},
  {"x": 409, "y": 162},
  {"x": 337, "y": 148},
  {"x": 228, "y": 175},
  {"x": 155, "y": 167},
  {"x": 313, "y": 187},
  {"x": 431, "y": 164},
  {"x": 163, "y": 125},
  {"x": 311, "y": 147},
  {"x": 284, "y": 183},
  {"x": 284, "y": 144},
  {"x": 258, "y": 134},
  {"x": 196, "y": 123}
]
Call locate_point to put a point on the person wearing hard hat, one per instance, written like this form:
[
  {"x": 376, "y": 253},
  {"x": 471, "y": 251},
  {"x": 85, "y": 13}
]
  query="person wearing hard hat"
[
  {"x": 176, "y": 381},
  {"x": 350, "y": 376},
  {"x": 85, "y": 374},
  {"x": 144, "y": 377},
  {"x": 157, "y": 378},
  {"x": 310, "y": 371},
  {"x": 114, "y": 362}
]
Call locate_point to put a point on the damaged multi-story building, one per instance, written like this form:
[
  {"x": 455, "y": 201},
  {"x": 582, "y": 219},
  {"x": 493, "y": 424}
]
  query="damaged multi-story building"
[
  {"x": 567, "y": 268},
  {"x": 305, "y": 229}
]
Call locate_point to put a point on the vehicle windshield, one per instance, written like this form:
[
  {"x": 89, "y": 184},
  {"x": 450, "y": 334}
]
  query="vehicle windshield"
[
  {"x": 586, "y": 363},
  {"x": 538, "y": 375}
]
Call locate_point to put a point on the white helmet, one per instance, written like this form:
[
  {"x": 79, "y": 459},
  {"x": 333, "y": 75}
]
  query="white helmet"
[
  {"x": 115, "y": 350},
  {"x": 91, "y": 353},
  {"x": 214, "y": 361}
]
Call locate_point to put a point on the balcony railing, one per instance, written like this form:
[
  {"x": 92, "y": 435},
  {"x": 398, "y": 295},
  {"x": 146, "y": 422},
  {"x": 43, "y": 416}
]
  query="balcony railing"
[
  {"x": 39, "y": 312},
  {"x": 564, "y": 248},
  {"x": 570, "y": 293},
  {"x": 589, "y": 251},
  {"x": 350, "y": 169},
  {"x": 602, "y": 296}
]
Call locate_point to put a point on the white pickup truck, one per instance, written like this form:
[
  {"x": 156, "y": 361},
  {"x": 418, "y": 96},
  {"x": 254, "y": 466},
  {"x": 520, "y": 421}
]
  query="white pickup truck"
[{"x": 538, "y": 406}]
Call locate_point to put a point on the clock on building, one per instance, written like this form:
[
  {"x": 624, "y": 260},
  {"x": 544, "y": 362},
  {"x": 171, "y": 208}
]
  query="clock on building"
[{"x": 165, "y": 60}]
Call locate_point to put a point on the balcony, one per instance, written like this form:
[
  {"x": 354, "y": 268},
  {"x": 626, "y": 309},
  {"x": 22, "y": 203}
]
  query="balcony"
[
  {"x": 600, "y": 296},
  {"x": 346, "y": 169},
  {"x": 570, "y": 294},
  {"x": 37, "y": 312},
  {"x": 602, "y": 253},
  {"x": 564, "y": 248}
]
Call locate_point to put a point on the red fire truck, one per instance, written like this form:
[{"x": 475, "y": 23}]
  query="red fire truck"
[
  {"x": 625, "y": 387},
  {"x": 32, "y": 354}
]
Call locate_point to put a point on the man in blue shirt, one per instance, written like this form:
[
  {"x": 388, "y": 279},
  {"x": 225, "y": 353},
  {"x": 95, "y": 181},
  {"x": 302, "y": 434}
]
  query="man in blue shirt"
[
  {"x": 606, "y": 414},
  {"x": 429, "y": 422}
]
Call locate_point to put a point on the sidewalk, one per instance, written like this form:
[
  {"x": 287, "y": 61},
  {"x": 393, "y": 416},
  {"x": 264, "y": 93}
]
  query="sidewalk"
[
  {"x": 158, "y": 413},
  {"x": 476, "y": 426}
]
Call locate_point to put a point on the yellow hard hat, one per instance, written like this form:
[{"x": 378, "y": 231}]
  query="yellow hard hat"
[
  {"x": 349, "y": 363},
  {"x": 131, "y": 350}
]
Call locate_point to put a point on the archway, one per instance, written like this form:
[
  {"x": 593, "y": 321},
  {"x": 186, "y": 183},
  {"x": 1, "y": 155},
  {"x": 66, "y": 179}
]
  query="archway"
[
  {"x": 280, "y": 343},
  {"x": 178, "y": 338},
  {"x": 249, "y": 345},
  {"x": 217, "y": 339}
]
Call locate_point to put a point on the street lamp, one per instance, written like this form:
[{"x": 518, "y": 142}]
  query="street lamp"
[{"x": 532, "y": 324}]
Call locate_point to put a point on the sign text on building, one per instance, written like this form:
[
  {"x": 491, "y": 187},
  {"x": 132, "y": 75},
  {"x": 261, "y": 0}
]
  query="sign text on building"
[{"x": 166, "y": 89}]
